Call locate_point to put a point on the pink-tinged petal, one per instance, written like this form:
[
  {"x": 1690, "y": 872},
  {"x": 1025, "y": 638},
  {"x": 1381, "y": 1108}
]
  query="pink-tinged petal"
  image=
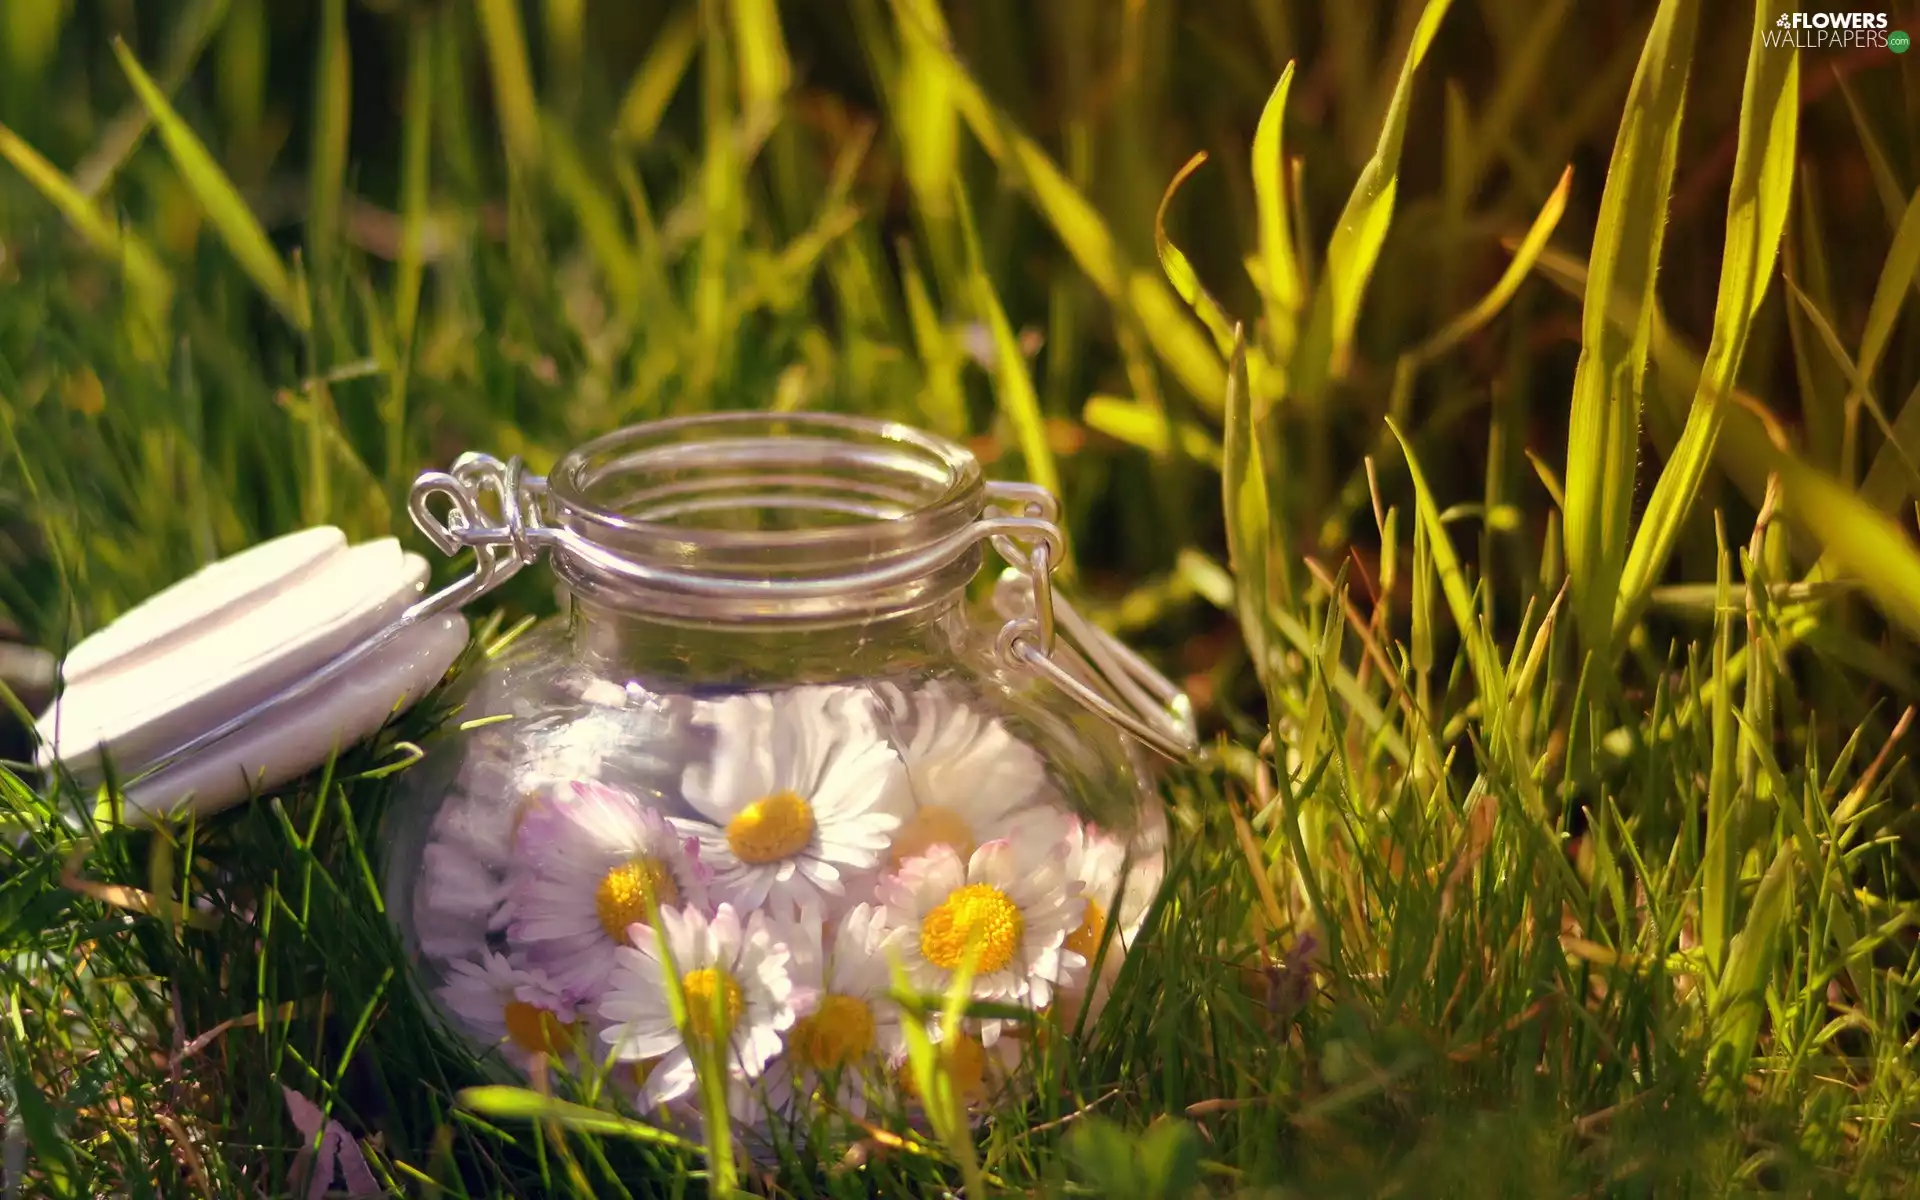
[{"x": 996, "y": 862}]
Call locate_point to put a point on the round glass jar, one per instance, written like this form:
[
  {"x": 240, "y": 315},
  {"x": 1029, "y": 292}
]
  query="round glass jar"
[{"x": 769, "y": 752}]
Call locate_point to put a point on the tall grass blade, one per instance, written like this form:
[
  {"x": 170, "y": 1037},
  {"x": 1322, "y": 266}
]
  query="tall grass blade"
[
  {"x": 1482, "y": 656},
  {"x": 416, "y": 142},
  {"x": 1856, "y": 537},
  {"x": 217, "y": 195},
  {"x": 1013, "y": 383},
  {"x": 1757, "y": 206},
  {"x": 1362, "y": 231},
  {"x": 187, "y": 38},
  {"x": 1604, "y": 430},
  {"x": 1251, "y": 538},
  {"x": 1280, "y": 277},
  {"x": 1720, "y": 870},
  {"x": 332, "y": 102},
  {"x": 929, "y": 132},
  {"x": 506, "y": 42},
  {"x": 1080, "y": 228},
  {"x": 659, "y": 77},
  {"x": 761, "y": 49},
  {"x": 1500, "y": 295},
  {"x": 1739, "y": 1002},
  {"x": 109, "y": 240},
  {"x": 1180, "y": 272},
  {"x": 1897, "y": 274}
]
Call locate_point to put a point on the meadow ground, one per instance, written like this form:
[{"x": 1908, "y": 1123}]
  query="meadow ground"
[{"x": 1506, "y": 435}]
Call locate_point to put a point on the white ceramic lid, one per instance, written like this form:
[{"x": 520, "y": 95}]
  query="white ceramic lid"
[
  {"x": 251, "y": 575},
  {"x": 210, "y": 649},
  {"x": 287, "y": 744}
]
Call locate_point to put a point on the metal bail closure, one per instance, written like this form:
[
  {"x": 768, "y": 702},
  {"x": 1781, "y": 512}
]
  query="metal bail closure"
[
  {"x": 1020, "y": 521},
  {"x": 1090, "y": 665},
  {"x": 249, "y": 673}
]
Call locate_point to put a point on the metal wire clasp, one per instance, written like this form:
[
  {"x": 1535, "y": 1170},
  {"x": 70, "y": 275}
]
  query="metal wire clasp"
[
  {"x": 1136, "y": 697},
  {"x": 1021, "y": 522}
]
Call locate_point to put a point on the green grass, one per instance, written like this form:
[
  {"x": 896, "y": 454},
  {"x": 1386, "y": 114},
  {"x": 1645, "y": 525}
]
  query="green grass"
[{"x": 1544, "y": 567}]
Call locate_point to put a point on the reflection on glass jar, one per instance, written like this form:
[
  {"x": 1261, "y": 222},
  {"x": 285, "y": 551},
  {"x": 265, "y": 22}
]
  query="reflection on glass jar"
[{"x": 770, "y": 755}]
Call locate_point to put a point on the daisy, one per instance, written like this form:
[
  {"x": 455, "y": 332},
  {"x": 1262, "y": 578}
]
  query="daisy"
[
  {"x": 590, "y": 862},
  {"x": 978, "y": 1064},
  {"x": 793, "y": 807},
  {"x": 1119, "y": 892},
  {"x": 968, "y": 779},
  {"x": 739, "y": 998},
  {"x": 462, "y": 896},
  {"x": 849, "y": 1028},
  {"x": 1010, "y": 905},
  {"x": 516, "y": 1011}
]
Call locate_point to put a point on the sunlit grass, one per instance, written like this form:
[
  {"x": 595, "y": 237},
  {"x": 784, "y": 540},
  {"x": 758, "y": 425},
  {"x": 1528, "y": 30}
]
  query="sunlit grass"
[{"x": 1544, "y": 567}]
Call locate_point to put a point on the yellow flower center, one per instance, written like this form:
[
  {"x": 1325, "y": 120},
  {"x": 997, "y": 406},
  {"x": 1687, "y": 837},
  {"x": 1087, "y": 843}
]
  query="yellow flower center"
[
  {"x": 964, "y": 1061},
  {"x": 1085, "y": 941},
  {"x": 630, "y": 891},
  {"x": 535, "y": 1029},
  {"x": 979, "y": 918},
  {"x": 835, "y": 1035},
  {"x": 771, "y": 828},
  {"x": 930, "y": 826},
  {"x": 714, "y": 1004}
]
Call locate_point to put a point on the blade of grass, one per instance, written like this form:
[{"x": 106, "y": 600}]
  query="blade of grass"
[
  {"x": 187, "y": 38},
  {"x": 761, "y": 48},
  {"x": 1280, "y": 278},
  {"x": 1186, "y": 352},
  {"x": 332, "y": 107},
  {"x": 1013, "y": 383},
  {"x": 107, "y": 239},
  {"x": 1604, "y": 434},
  {"x": 659, "y": 77},
  {"x": 1757, "y": 206},
  {"x": 1180, "y": 272},
  {"x": 1249, "y": 517},
  {"x": 520, "y": 1104},
  {"x": 1897, "y": 274},
  {"x": 215, "y": 192},
  {"x": 1500, "y": 295},
  {"x": 1856, "y": 537},
  {"x": 513, "y": 97},
  {"x": 1858, "y": 385},
  {"x": 1362, "y": 231},
  {"x": 1482, "y": 656},
  {"x": 1719, "y": 888},
  {"x": 416, "y": 134}
]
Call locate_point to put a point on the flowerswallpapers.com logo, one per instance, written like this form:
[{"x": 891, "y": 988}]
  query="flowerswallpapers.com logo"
[{"x": 1834, "y": 31}]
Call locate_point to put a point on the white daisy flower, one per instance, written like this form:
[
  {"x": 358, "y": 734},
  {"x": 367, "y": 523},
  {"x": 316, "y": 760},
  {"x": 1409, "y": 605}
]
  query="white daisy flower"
[
  {"x": 1010, "y": 905},
  {"x": 739, "y": 997},
  {"x": 516, "y": 1011},
  {"x": 590, "y": 863},
  {"x": 979, "y": 1064},
  {"x": 968, "y": 779},
  {"x": 462, "y": 894},
  {"x": 794, "y": 805},
  {"x": 1119, "y": 892},
  {"x": 848, "y": 1030}
]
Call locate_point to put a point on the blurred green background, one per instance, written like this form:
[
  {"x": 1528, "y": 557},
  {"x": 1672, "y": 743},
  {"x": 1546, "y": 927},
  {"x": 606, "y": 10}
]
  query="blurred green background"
[{"x": 821, "y": 257}]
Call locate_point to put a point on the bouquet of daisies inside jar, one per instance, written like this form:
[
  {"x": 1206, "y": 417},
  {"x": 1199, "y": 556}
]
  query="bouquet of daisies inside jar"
[{"x": 768, "y": 769}]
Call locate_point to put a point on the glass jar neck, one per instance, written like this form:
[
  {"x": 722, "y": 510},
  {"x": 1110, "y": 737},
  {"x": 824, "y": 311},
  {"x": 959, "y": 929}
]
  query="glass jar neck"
[
  {"x": 623, "y": 644},
  {"x": 758, "y": 535}
]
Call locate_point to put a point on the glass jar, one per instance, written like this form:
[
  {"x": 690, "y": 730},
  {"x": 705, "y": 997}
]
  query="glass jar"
[{"x": 769, "y": 755}]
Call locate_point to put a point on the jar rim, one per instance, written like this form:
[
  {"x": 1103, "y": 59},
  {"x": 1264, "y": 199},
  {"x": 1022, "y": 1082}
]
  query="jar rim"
[
  {"x": 722, "y": 435},
  {"x": 767, "y": 516}
]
